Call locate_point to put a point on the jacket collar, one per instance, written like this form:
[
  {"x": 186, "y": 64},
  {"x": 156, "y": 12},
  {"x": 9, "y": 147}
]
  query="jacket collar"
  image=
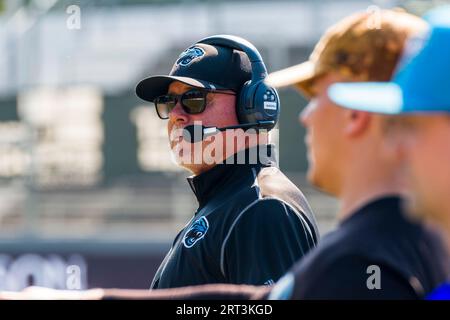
[{"x": 235, "y": 172}]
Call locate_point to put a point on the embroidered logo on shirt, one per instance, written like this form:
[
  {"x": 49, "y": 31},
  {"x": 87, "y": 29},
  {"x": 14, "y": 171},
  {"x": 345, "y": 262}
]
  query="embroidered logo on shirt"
[
  {"x": 269, "y": 282},
  {"x": 196, "y": 232}
]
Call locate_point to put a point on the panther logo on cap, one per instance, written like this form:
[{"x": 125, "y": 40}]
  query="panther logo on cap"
[
  {"x": 196, "y": 232},
  {"x": 189, "y": 55}
]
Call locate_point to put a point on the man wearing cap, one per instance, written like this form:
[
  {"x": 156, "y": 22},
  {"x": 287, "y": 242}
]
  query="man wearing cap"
[
  {"x": 419, "y": 133},
  {"x": 252, "y": 223},
  {"x": 376, "y": 251}
]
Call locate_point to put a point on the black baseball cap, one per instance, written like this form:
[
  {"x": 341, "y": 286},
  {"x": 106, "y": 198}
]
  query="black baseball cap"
[{"x": 201, "y": 66}]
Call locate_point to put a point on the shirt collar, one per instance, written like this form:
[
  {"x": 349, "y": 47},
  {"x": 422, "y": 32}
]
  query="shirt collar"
[
  {"x": 388, "y": 206},
  {"x": 232, "y": 171}
]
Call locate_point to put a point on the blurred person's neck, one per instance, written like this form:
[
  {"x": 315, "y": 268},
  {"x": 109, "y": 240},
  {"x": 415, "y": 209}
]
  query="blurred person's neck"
[{"x": 368, "y": 177}]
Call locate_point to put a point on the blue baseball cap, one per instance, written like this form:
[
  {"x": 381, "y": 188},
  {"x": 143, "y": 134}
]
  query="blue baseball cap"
[{"x": 421, "y": 82}]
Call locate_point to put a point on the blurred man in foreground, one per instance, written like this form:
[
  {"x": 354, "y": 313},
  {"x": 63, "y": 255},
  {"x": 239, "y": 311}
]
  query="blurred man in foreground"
[
  {"x": 376, "y": 251},
  {"x": 419, "y": 96}
]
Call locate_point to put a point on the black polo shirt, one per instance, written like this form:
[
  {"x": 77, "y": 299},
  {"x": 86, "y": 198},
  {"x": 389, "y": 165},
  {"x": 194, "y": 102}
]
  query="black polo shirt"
[
  {"x": 252, "y": 224},
  {"x": 376, "y": 253}
]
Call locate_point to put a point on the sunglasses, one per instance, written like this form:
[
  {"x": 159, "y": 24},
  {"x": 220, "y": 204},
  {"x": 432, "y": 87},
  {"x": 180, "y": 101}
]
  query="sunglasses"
[{"x": 192, "y": 102}]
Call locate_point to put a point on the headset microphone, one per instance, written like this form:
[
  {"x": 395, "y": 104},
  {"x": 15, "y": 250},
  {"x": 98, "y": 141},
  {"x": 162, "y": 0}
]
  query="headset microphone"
[{"x": 196, "y": 133}]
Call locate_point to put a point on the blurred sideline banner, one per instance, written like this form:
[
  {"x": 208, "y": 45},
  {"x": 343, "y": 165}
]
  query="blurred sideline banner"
[{"x": 55, "y": 265}]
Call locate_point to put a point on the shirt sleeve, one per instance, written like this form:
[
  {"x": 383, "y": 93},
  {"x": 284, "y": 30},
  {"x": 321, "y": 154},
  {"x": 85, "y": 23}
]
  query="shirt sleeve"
[
  {"x": 264, "y": 242},
  {"x": 351, "y": 278}
]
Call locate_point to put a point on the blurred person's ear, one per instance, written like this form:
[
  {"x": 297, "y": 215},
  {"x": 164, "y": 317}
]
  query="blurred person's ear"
[{"x": 356, "y": 122}]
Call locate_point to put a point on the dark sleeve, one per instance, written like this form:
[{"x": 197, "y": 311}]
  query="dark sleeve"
[
  {"x": 348, "y": 278},
  {"x": 264, "y": 242}
]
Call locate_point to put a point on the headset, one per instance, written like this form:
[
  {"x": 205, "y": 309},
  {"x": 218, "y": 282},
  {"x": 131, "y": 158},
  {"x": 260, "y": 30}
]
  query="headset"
[{"x": 258, "y": 104}]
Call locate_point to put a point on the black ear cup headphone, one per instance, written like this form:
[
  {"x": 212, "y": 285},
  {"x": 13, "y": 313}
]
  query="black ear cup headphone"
[{"x": 258, "y": 104}]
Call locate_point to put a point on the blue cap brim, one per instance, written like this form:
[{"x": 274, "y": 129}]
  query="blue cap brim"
[{"x": 379, "y": 97}]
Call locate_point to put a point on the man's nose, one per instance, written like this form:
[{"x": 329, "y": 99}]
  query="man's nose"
[
  {"x": 306, "y": 113},
  {"x": 303, "y": 117},
  {"x": 178, "y": 114}
]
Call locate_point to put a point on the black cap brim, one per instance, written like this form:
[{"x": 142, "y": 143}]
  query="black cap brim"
[{"x": 152, "y": 87}]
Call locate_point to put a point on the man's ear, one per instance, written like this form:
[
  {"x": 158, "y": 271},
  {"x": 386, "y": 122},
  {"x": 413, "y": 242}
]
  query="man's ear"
[{"x": 357, "y": 122}]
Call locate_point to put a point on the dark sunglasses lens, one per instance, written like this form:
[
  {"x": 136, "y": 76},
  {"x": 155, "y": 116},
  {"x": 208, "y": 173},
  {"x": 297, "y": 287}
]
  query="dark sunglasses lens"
[
  {"x": 194, "y": 101},
  {"x": 164, "y": 105}
]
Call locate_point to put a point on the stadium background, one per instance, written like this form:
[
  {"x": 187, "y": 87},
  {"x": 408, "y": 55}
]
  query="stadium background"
[{"x": 89, "y": 196}]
